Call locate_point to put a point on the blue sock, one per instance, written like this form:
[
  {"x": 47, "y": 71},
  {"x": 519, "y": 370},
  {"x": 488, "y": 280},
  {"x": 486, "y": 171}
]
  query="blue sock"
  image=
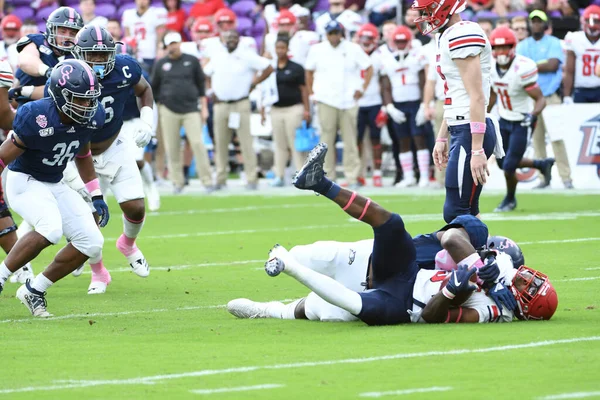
[{"x": 327, "y": 188}]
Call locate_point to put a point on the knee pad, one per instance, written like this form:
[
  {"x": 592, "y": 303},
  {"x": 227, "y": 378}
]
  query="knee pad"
[{"x": 89, "y": 244}]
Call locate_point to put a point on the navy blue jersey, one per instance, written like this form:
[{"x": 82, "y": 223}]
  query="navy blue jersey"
[
  {"x": 47, "y": 56},
  {"x": 132, "y": 110},
  {"x": 50, "y": 144}
]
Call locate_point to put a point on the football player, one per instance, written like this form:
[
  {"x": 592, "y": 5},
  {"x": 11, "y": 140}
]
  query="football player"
[
  {"x": 405, "y": 70},
  {"x": 11, "y": 32},
  {"x": 48, "y": 133},
  {"x": 580, "y": 84},
  {"x": 349, "y": 19},
  {"x": 147, "y": 24},
  {"x": 370, "y": 113},
  {"x": 464, "y": 63},
  {"x": 514, "y": 83},
  {"x": 394, "y": 275},
  {"x": 201, "y": 29},
  {"x": 300, "y": 40},
  {"x": 121, "y": 78},
  {"x": 39, "y": 53}
]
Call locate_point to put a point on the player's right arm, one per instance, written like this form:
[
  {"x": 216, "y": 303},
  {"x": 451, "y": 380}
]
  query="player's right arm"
[
  {"x": 30, "y": 61},
  {"x": 10, "y": 150}
]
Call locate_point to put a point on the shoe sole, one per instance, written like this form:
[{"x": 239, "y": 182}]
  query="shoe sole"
[{"x": 316, "y": 154}]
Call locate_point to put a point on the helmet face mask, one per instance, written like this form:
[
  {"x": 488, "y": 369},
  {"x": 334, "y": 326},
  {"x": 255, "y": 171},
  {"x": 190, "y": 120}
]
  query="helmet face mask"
[
  {"x": 590, "y": 20},
  {"x": 97, "y": 48},
  {"x": 535, "y": 295},
  {"x": 503, "y": 54},
  {"x": 368, "y": 35},
  {"x": 435, "y": 14}
]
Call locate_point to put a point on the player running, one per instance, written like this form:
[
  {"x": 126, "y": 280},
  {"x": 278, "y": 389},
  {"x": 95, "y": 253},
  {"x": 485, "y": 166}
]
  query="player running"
[
  {"x": 514, "y": 83},
  {"x": 464, "y": 63},
  {"x": 48, "y": 133},
  {"x": 580, "y": 84},
  {"x": 121, "y": 78}
]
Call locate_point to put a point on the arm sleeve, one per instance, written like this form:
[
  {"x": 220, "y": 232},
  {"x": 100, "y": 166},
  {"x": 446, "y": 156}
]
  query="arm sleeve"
[
  {"x": 6, "y": 75},
  {"x": 466, "y": 41},
  {"x": 136, "y": 69}
]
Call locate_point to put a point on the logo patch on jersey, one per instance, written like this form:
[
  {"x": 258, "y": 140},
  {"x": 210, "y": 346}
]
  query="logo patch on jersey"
[
  {"x": 71, "y": 130},
  {"x": 47, "y": 132},
  {"x": 45, "y": 50},
  {"x": 123, "y": 84},
  {"x": 41, "y": 120},
  {"x": 167, "y": 66},
  {"x": 351, "y": 256},
  {"x": 590, "y": 146}
]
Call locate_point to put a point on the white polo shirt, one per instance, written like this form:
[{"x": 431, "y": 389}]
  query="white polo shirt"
[
  {"x": 337, "y": 72},
  {"x": 232, "y": 73}
]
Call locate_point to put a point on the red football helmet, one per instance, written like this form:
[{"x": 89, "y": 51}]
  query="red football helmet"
[
  {"x": 402, "y": 37},
  {"x": 537, "y": 297},
  {"x": 435, "y": 14},
  {"x": 503, "y": 37},
  {"x": 202, "y": 29},
  {"x": 11, "y": 29},
  {"x": 591, "y": 20},
  {"x": 368, "y": 36}
]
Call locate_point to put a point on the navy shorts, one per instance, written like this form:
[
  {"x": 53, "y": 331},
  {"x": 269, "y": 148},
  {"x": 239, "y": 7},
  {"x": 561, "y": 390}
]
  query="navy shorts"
[
  {"x": 366, "y": 118},
  {"x": 586, "y": 95},
  {"x": 408, "y": 128},
  {"x": 394, "y": 270},
  {"x": 514, "y": 140},
  {"x": 462, "y": 195}
]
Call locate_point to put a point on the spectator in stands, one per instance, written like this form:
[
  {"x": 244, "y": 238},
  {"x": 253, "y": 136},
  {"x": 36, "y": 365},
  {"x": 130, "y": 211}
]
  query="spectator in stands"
[
  {"x": 287, "y": 114},
  {"x": 567, "y": 21},
  {"x": 502, "y": 7},
  {"x": 176, "y": 17},
  {"x": 88, "y": 13},
  {"x": 232, "y": 76},
  {"x": 547, "y": 52},
  {"x": 502, "y": 22},
  {"x": 178, "y": 86},
  {"x": 487, "y": 25},
  {"x": 29, "y": 27},
  {"x": 355, "y": 5},
  {"x": 381, "y": 10},
  {"x": 519, "y": 25},
  {"x": 475, "y": 6},
  {"x": 147, "y": 24},
  {"x": 333, "y": 76},
  {"x": 349, "y": 19},
  {"x": 37, "y": 4},
  {"x": 204, "y": 8},
  {"x": 409, "y": 20},
  {"x": 113, "y": 26}
]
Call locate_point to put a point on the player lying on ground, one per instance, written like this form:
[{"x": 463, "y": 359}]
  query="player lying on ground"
[
  {"x": 48, "y": 133},
  {"x": 395, "y": 278}
]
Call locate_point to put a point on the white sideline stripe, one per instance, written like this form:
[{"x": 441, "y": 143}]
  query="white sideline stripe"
[
  {"x": 233, "y": 370},
  {"x": 237, "y": 389},
  {"x": 235, "y": 209},
  {"x": 187, "y": 266},
  {"x": 574, "y": 395},
  {"x": 117, "y": 313},
  {"x": 592, "y": 269},
  {"x": 407, "y": 218},
  {"x": 406, "y": 391},
  {"x": 558, "y": 241}
]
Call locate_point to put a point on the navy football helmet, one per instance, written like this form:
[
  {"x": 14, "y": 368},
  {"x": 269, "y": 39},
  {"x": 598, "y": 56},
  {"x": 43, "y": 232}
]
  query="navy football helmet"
[
  {"x": 65, "y": 17},
  {"x": 508, "y": 246},
  {"x": 96, "y": 46},
  {"x": 75, "y": 90}
]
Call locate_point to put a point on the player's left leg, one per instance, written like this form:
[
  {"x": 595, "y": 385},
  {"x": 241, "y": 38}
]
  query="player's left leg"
[
  {"x": 423, "y": 153},
  {"x": 404, "y": 132}
]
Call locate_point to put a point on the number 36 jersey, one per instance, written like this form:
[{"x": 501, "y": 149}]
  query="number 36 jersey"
[
  {"x": 511, "y": 88},
  {"x": 50, "y": 144}
]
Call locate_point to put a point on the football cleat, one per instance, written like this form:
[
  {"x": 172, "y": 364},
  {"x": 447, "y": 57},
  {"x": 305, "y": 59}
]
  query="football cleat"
[
  {"x": 153, "y": 197},
  {"x": 22, "y": 274},
  {"x": 547, "y": 170},
  {"x": 312, "y": 171},
  {"x": 77, "y": 273},
  {"x": 274, "y": 266},
  {"x": 506, "y": 206},
  {"x": 245, "y": 308},
  {"x": 406, "y": 182},
  {"x": 32, "y": 299},
  {"x": 377, "y": 181},
  {"x": 97, "y": 287},
  {"x": 423, "y": 182},
  {"x": 138, "y": 264}
]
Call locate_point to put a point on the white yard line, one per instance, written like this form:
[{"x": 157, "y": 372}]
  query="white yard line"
[
  {"x": 237, "y": 389},
  {"x": 574, "y": 395},
  {"x": 406, "y": 391},
  {"x": 236, "y": 209},
  {"x": 589, "y": 278},
  {"x": 235, "y": 370}
]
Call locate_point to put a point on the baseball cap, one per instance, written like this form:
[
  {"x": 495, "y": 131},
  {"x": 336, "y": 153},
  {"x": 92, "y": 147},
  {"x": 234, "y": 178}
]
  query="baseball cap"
[
  {"x": 538, "y": 14},
  {"x": 333, "y": 25},
  {"x": 172, "y": 37},
  {"x": 225, "y": 15},
  {"x": 286, "y": 17},
  {"x": 11, "y": 22}
]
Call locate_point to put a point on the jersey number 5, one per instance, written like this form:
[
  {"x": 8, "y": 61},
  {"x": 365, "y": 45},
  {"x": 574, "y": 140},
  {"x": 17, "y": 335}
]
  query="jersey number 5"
[
  {"x": 110, "y": 113},
  {"x": 63, "y": 152}
]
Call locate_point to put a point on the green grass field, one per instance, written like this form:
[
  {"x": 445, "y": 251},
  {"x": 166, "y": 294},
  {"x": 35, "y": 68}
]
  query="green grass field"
[{"x": 170, "y": 337}]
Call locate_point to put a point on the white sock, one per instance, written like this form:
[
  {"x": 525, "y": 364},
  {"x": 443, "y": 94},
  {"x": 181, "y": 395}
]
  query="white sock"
[
  {"x": 327, "y": 288},
  {"x": 406, "y": 161},
  {"x": 131, "y": 229},
  {"x": 377, "y": 172},
  {"x": 147, "y": 176},
  {"x": 41, "y": 283},
  {"x": 423, "y": 161},
  {"x": 283, "y": 311},
  {"x": 4, "y": 273}
]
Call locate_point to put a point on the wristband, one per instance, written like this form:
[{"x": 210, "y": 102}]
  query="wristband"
[
  {"x": 448, "y": 294},
  {"x": 89, "y": 153},
  {"x": 477, "y": 128},
  {"x": 27, "y": 91},
  {"x": 480, "y": 152},
  {"x": 42, "y": 69},
  {"x": 441, "y": 140},
  {"x": 93, "y": 187},
  {"x": 147, "y": 115}
]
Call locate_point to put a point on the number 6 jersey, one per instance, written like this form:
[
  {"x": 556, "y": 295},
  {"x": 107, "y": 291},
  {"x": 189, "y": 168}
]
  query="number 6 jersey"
[
  {"x": 587, "y": 56},
  {"x": 49, "y": 144},
  {"x": 511, "y": 88}
]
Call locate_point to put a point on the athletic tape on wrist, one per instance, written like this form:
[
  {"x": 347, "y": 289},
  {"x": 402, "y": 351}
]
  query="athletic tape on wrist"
[{"x": 477, "y": 128}]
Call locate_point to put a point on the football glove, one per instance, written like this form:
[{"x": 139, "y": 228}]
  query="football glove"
[
  {"x": 420, "y": 117},
  {"x": 395, "y": 114},
  {"x": 21, "y": 92},
  {"x": 459, "y": 282},
  {"x": 530, "y": 121},
  {"x": 381, "y": 119},
  {"x": 490, "y": 271},
  {"x": 143, "y": 133},
  {"x": 102, "y": 210},
  {"x": 502, "y": 295},
  {"x": 568, "y": 100}
]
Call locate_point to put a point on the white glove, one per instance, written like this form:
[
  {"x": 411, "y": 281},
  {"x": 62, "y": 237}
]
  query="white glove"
[
  {"x": 420, "y": 117},
  {"x": 395, "y": 114},
  {"x": 143, "y": 132},
  {"x": 568, "y": 100}
]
